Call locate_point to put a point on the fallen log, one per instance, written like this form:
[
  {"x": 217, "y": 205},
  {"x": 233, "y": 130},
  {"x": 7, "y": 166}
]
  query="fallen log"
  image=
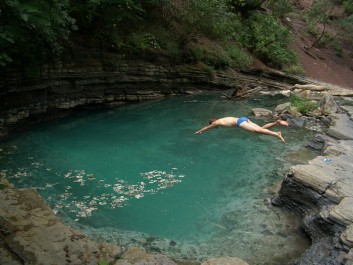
[
  {"x": 235, "y": 94},
  {"x": 311, "y": 87}
]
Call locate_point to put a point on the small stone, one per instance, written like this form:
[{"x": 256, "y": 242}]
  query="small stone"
[
  {"x": 283, "y": 107},
  {"x": 261, "y": 112}
]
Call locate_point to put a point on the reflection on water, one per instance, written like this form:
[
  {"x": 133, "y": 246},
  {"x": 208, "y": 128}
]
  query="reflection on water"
[{"x": 137, "y": 175}]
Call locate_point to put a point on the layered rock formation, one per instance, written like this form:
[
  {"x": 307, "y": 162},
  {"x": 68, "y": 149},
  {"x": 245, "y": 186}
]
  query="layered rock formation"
[
  {"x": 59, "y": 88},
  {"x": 322, "y": 193}
]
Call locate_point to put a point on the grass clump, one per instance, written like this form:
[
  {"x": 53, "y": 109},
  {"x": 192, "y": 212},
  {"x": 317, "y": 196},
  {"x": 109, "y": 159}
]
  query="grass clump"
[{"x": 302, "y": 105}]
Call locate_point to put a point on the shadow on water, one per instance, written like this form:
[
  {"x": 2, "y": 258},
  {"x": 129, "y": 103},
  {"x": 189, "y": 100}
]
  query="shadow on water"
[{"x": 137, "y": 175}]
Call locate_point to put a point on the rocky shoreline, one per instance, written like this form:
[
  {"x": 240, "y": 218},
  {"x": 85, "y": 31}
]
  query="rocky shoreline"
[{"x": 320, "y": 192}]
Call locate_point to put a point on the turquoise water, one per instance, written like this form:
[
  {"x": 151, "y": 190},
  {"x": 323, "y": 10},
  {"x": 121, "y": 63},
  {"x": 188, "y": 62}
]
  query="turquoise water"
[{"x": 138, "y": 174}]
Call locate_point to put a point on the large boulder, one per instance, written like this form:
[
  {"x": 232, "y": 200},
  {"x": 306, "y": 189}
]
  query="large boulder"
[
  {"x": 328, "y": 104},
  {"x": 282, "y": 107}
]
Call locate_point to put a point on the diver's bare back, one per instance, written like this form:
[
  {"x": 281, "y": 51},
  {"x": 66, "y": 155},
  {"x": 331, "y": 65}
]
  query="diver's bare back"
[{"x": 227, "y": 121}]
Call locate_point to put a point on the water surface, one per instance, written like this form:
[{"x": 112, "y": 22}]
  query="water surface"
[{"x": 138, "y": 175}]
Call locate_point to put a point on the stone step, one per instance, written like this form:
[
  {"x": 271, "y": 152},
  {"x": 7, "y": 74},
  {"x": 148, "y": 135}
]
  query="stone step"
[
  {"x": 343, "y": 212},
  {"x": 342, "y": 128}
]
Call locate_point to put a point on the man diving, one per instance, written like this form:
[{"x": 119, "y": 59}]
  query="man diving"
[{"x": 246, "y": 124}]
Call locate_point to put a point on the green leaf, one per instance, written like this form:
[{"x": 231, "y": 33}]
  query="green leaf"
[{"x": 24, "y": 17}]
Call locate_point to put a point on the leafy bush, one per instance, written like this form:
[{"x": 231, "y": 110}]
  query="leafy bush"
[
  {"x": 143, "y": 41},
  {"x": 348, "y": 5},
  {"x": 303, "y": 106},
  {"x": 240, "y": 59},
  {"x": 269, "y": 40},
  {"x": 280, "y": 7},
  {"x": 33, "y": 30}
]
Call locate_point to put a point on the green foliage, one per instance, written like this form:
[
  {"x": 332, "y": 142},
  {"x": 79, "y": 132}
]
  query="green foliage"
[
  {"x": 215, "y": 57},
  {"x": 240, "y": 59},
  {"x": 32, "y": 30},
  {"x": 348, "y": 5},
  {"x": 244, "y": 7},
  {"x": 208, "y": 18},
  {"x": 269, "y": 40},
  {"x": 280, "y": 7},
  {"x": 143, "y": 41},
  {"x": 32, "y": 27},
  {"x": 112, "y": 14},
  {"x": 303, "y": 106},
  {"x": 296, "y": 68},
  {"x": 347, "y": 25},
  {"x": 318, "y": 12},
  {"x": 103, "y": 262}
]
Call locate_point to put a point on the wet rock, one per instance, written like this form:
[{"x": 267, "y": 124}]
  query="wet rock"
[
  {"x": 136, "y": 256},
  {"x": 349, "y": 110},
  {"x": 314, "y": 124},
  {"x": 322, "y": 191},
  {"x": 295, "y": 122},
  {"x": 261, "y": 112},
  {"x": 342, "y": 128},
  {"x": 328, "y": 105},
  {"x": 294, "y": 111},
  {"x": 282, "y": 107},
  {"x": 347, "y": 236},
  {"x": 318, "y": 253},
  {"x": 224, "y": 261},
  {"x": 318, "y": 142},
  {"x": 305, "y": 94}
]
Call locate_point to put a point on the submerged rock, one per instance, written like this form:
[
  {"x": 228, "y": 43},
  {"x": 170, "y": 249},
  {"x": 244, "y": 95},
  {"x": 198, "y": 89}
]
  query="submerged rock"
[
  {"x": 283, "y": 107},
  {"x": 317, "y": 143},
  {"x": 261, "y": 112}
]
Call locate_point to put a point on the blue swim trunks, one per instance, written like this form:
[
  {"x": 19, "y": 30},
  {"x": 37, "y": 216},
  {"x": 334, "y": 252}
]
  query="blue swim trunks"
[{"x": 241, "y": 120}]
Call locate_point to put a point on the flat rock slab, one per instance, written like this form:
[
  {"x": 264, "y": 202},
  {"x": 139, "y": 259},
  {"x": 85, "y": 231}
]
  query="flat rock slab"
[
  {"x": 313, "y": 177},
  {"x": 33, "y": 234},
  {"x": 136, "y": 256},
  {"x": 348, "y": 109},
  {"x": 330, "y": 175},
  {"x": 224, "y": 261},
  {"x": 261, "y": 112},
  {"x": 342, "y": 128},
  {"x": 343, "y": 212},
  {"x": 347, "y": 236}
]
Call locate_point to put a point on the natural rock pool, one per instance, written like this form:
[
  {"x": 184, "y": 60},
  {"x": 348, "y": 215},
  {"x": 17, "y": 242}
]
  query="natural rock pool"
[{"x": 137, "y": 175}]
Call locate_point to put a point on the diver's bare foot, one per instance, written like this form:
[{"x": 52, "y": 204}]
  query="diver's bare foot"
[
  {"x": 281, "y": 137},
  {"x": 282, "y": 122}
]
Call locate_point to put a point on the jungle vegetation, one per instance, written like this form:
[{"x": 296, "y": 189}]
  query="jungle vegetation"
[{"x": 218, "y": 33}]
